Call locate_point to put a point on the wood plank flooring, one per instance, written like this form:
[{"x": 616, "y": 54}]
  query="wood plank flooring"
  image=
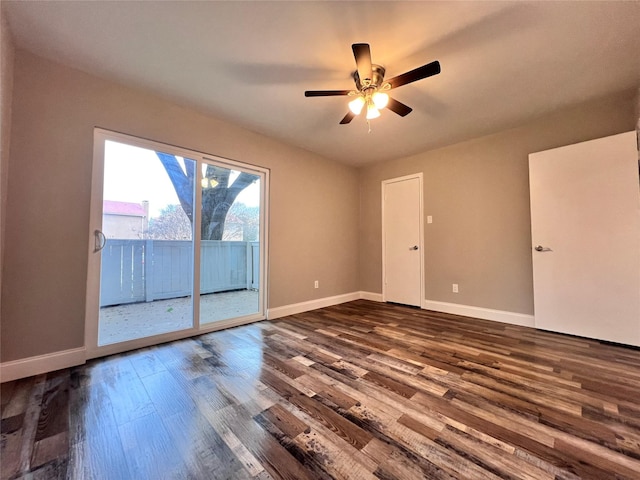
[{"x": 361, "y": 390}]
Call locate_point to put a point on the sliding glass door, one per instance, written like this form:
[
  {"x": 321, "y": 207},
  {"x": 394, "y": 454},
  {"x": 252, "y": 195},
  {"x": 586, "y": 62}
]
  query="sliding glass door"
[
  {"x": 149, "y": 201},
  {"x": 146, "y": 267},
  {"x": 230, "y": 243}
]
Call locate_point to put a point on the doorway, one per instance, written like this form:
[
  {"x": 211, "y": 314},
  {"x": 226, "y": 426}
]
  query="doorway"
[
  {"x": 402, "y": 240},
  {"x": 163, "y": 221}
]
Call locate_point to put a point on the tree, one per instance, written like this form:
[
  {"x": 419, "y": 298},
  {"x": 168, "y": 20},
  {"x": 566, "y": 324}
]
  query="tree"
[
  {"x": 218, "y": 194},
  {"x": 243, "y": 223},
  {"x": 171, "y": 224}
]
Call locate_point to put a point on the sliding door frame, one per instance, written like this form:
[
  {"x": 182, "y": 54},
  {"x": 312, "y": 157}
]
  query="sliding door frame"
[{"x": 92, "y": 307}]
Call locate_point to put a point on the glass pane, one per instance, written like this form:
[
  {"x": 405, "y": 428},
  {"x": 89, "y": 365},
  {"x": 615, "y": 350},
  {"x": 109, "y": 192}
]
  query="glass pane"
[
  {"x": 146, "y": 279},
  {"x": 230, "y": 247}
]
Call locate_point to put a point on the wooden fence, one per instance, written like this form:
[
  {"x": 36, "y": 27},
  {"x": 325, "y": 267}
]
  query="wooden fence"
[{"x": 146, "y": 270}]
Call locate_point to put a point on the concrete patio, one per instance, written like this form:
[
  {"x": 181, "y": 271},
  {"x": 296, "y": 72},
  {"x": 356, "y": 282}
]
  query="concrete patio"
[{"x": 137, "y": 320}]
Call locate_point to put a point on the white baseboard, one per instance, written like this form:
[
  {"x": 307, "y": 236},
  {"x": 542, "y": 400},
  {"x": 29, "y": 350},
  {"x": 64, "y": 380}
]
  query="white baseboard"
[
  {"x": 374, "y": 297},
  {"x": 479, "y": 312},
  {"x": 311, "y": 305},
  {"x": 27, "y": 367}
]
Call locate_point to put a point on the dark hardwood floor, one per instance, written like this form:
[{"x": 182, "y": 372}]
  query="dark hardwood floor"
[{"x": 360, "y": 390}]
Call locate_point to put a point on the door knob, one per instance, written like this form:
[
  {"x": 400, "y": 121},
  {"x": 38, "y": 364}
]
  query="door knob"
[
  {"x": 540, "y": 248},
  {"x": 415, "y": 247}
]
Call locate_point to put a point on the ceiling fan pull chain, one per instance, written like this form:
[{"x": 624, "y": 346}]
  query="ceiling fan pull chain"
[{"x": 369, "y": 125}]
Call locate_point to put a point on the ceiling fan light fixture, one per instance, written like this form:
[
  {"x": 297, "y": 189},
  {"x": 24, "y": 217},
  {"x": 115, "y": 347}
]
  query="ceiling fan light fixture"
[
  {"x": 208, "y": 182},
  {"x": 372, "y": 111},
  {"x": 356, "y": 105},
  {"x": 371, "y": 87},
  {"x": 380, "y": 100}
]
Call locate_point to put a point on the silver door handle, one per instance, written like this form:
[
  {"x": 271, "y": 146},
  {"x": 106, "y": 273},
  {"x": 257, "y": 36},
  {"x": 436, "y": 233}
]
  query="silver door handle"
[
  {"x": 540, "y": 248},
  {"x": 415, "y": 247},
  {"x": 100, "y": 240}
]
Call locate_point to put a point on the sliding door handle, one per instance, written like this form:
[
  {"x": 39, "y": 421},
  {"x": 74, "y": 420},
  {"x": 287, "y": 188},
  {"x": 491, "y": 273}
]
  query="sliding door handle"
[{"x": 100, "y": 241}]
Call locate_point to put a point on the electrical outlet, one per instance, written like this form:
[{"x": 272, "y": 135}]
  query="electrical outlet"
[
  {"x": 454, "y": 288},
  {"x": 316, "y": 284}
]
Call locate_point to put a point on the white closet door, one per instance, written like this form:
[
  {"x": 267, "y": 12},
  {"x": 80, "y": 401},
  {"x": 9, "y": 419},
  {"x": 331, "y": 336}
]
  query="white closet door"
[
  {"x": 585, "y": 222},
  {"x": 402, "y": 240}
]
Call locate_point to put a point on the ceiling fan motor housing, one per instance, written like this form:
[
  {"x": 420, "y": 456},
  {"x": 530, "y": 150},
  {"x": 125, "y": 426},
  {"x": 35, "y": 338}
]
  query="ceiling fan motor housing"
[{"x": 377, "y": 74}]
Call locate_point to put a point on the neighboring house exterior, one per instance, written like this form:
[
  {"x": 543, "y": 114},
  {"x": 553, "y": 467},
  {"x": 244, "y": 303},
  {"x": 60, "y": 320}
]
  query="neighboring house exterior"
[{"x": 125, "y": 220}]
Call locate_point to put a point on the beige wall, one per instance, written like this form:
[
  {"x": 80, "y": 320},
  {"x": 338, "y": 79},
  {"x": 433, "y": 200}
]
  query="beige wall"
[
  {"x": 123, "y": 226},
  {"x": 314, "y": 201},
  {"x": 6, "y": 94},
  {"x": 478, "y": 195}
]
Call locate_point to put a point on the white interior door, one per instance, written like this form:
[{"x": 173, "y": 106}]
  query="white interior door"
[
  {"x": 403, "y": 259},
  {"x": 585, "y": 222}
]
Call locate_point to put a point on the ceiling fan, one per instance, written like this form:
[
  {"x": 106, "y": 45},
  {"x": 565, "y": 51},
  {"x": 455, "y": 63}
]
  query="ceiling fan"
[{"x": 371, "y": 86}]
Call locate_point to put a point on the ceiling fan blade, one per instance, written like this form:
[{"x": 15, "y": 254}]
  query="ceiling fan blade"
[
  {"x": 362, "y": 54},
  {"x": 419, "y": 73},
  {"x": 398, "y": 107},
  {"x": 325, "y": 93},
  {"x": 347, "y": 118}
]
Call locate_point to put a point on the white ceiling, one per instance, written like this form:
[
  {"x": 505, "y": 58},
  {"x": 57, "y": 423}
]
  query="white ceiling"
[{"x": 250, "y": 62}]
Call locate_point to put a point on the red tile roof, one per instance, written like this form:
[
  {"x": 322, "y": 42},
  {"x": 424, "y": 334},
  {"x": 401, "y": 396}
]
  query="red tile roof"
[{"x": 111, "y": 207}]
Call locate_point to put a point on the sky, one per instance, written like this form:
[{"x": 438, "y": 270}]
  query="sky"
[{"x": 133, "y": 174}]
